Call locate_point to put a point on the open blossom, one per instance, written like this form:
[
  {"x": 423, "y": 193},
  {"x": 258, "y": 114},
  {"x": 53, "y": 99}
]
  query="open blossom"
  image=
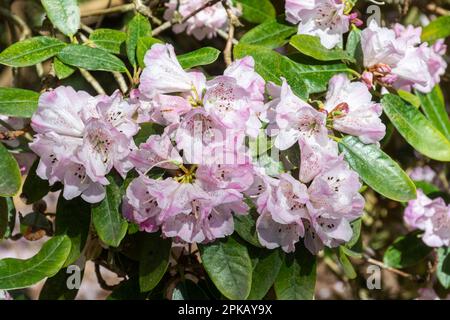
[
  {"x": 80, "y": 138},
  {"x": 350, "y": 107},
  {"x": 431, "y": 216},
  {"x": 429, "y": 294},
  {"x": 396, "y": 56},
  {"x": 422, "y": 173},
  {"x": 203, "y": 24},
  {"x": 323, "y": 18}
]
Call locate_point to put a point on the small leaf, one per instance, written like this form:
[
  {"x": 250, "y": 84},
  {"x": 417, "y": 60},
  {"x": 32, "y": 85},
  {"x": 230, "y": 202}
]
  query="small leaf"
[
  {"x": 154, "y": 260},
  {"x": 377, "y": 169},
  {"x": 426, "y": 187},
  {"x": 7, "y": 217},
  {"x": 18, "y": 102},
  {"x": 436, "y": 30},
  {"x": 353, "y": 46},
  {"x": 346, "y": 264},
  {"x": 10, "y": 177},
  {"x": 406, "y": 251},
  {"x": 271, "y": 34},
  {"x": 229, "y": 266},
  {"x": 34, "y": 188},
  {"x": 62, "y": 70},
  {"x": 64, "y": 14},
  {"x": 245, "y": 226},
  {"x": 297, "y": 276},
  {"x": 31, "y": 51},
  {"x": 108, "y": 39},
  {"x": 138, "y": 27},
  {"x": 144, "y": 44},
  {"x": 91, "y": 58},
  {"x": 188, "y": 290},
  {"x": 200, "y": 57},
  {"x": 108, "y": 222},
  {"x": 311, "y": 46},
  {"x": 16, "y": 273},
  {"x": 257, "y": 11},
  {"x": 417, "y": 130},
  {"x": 147, "y": 129},
  {"x": 443, "y": 268}
]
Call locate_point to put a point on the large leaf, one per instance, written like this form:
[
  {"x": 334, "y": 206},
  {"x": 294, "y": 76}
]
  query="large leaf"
[
  {"x": 7, "y": 217},
  {"x": 311, "y": 46},
  {"x": 138, "y": 27},
  {"x": 64, "y": 14},
  {"x": 108, "y": 222},
  {"x": 55, "y": 288},
  {"x": 443, "y": 269},
  {"x": 297, "y": 276},
  {"x": 257, "y": 11},
  {"x": 91, "y": 58},
  {"x": 31, "y": 51},
  {"x": 406, "y": 251},
  {"x": 270, "y": 34},
  {"x": 228, "y": 264},
  {"x": 73, "y": 220},
  {"x": 144, "y": 44},
  {"x": 188, "y": 290},
  {"x": 266, "y": 265},
  {"x": 10, "y": 178},
  {"x": 377, "y": 169},
  {"x": 18, "y": 102},
  {"x": 108, "y": 39},
  {"x": 433, "y": 105},
  {"x": 34, "y": 188},
  {"x": 437, "y": 29},
  {"x": 16, "y": 273},
  {"x": 200, "y": 57},
  {"x": 154, "y": 260},
  {"x": 416, "y": 129}
]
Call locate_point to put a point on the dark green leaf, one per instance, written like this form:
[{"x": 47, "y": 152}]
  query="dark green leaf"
[
  {"x": 353, "y": 47},
  {"x": 271, "y": 34},
  {"x": 144, "y": 44},
  {"x": 64, "y": 14},
  {"x": 18, "y": 102},
  {"x": 200, "y": 57},
  {"x": 91, "y": 58},
  {"x": 417, "y": 130},
  {"x": 62, "y": 70},
  {"x": 128, "y": 290},
  {"x": 406, "y": 251},
  {"x": 443, "y": 269},
  {"x": 437, "y": 29},
  {"x": 229, "y": 266},
  {"x": 16, "y": 273},
  {"x": 108, "y": 221},
  {"x": 188, "y": 290},
  {"x": 7, "y": 217},
  {"x": 34, "y": 188},
  {"x": 147, "y": 129},
  {"x": 426, "y": 187},
  {"x": 311, "y": 46},
  {"x": 138, "y": 27},
  {"x": 377, "y": 169},
  {"x": 346, "y": 264},
  {"x": 10, "y": 177},
  {"x": 257, "y": 11},
  {"x": 55, "y": 288},
  {"x": 433, "y": 105},
  {"x": 108, "y": 39},
  {"x": 245, "y": 226},
  {"x": 31, "y": 51}
]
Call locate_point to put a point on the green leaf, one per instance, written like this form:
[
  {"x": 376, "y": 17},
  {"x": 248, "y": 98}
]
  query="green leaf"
[
  {"x": 128, "y": 290},
  {"x": 437, "y": 29},
  {"x": 311, "y": 46},
  {"x": 297, "y": 276},
  {"x": 147, "y": 129},
  {"x": 426, "y": 187},
  {"x": 229, "y": 266},
  {"x": 356, "y": 227},
  {"x": 433, "y": 105},
  {"x": 62, "y": 70},
  {"x": 7, "y": 217},
  {"x": 245, "y": 226},
  {"x": 353, "y": 47},
  {"x": 266, "y": 265},
  {"x": 108, "y": 221},
  {"x": 346, "y": 264},
  {"x": 64, "y": 14},
  {"x": 108, "y": 39},
  {"x": 188, "y": 290},
  {"x": 200, "y": 57},
  {"x": 443, "y": 268},
  {"x": 271, "y": 34},
  {"x": 417, "y": 130},
  {"x": 34, "y": 188},
  {"x": 406, "y": 251},
  {"x": 10, "y": 177},
  {"x": 377, "y": 169},
  {"x": 409, "y": 97},
  {"x": 257, "y": 11},
  {"x": 73, "y": 219},
  {"x": 144, "y": 44},
  {"x": 55, "y": 288},
  {"x": 31, "y": 51},
  {"x": 18, "y": 102},
  {"x": 91, "y": 58},
  {"x": 16, "y": 273},
  {"x": 154, "y": 260},
  {"x": 138, "y": 27}
]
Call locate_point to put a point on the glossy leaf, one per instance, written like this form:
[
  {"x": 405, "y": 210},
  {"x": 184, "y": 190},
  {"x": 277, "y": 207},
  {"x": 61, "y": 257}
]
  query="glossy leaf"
[
  {"x": 30, "y": 51},
  {"x": 18, "y": 102},
  {"x": 271, "y": 34},
  {"x": 443, "y": 268},
  {"x": 64, "y": 14},
  {"x": 200, "y": 57},
  {"x": 34, "y": 188},
  {"x": 7, "y": 217},
  {"x": 377, "y": 169},
  {"x": 144, "y": 44},
  {"x": 257, "y": 11},
  {"x": 353, "y": 46},
  {"x": 188, "y": 290},
  {"x": 436, "y": 29},
  {"x": 406, "y": 251},
  {"x": 138, "y": 27},
  {"x": 108, "y": 39},
  {"x": 16, "y": 273},
  {"x": 433, "y": 105},
  {"x": 10, "y": 177},
  {"x": 228, "y": 264},
  {"x": 91, "y": 58},
  {"x": 417, "y": 130},
  {"x": 245, "y": 226},
  {"x": 62, "y": 70}
]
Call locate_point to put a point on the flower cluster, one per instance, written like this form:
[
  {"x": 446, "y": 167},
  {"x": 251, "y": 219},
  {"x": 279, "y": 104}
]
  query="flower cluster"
[
  {"x": 431, "y": 216},
  {"x": 203, "y": 24}
]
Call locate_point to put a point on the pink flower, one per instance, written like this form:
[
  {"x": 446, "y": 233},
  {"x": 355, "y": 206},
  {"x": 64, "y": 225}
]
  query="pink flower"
[
  {"x": 315, "y": 157},
  {"x": 4, "y": 295},
  {"x": 424, "y": 173},
  {"x": 429, "y": 294},
  {"x": 322, "y": 18},
  {"x": 350, "y": 106}
]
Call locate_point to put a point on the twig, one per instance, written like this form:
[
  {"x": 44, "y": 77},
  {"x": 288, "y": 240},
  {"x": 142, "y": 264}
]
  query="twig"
[
  {"x": 144, "y": 10},
  {"x": 26, "y": 31},
  {"x": 232, "y": 21},
  {"x": 393, "y": 270},
  {"x": 117, "y": 9},
  {"x": 436, "y": 9},
  {"x": 102, "y": 282},
  {"x": 92, "y": 81}
]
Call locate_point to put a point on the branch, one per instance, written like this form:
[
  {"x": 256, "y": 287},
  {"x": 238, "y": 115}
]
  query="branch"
[
  {"x": 393, "y": 270},
  {"x": 438, "y": 10},
  {"x": 117, "y": 9},
  {"x": 92, "y": 81},
  {"x": 232, "y": 22},
  {"x": 26, "y": 31}
]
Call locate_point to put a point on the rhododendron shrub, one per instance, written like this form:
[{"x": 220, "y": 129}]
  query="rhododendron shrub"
[{"x": 200, "y": 144}]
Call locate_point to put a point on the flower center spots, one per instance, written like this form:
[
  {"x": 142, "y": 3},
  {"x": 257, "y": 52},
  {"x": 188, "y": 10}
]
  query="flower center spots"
[{"x": 101, "y": 143}]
